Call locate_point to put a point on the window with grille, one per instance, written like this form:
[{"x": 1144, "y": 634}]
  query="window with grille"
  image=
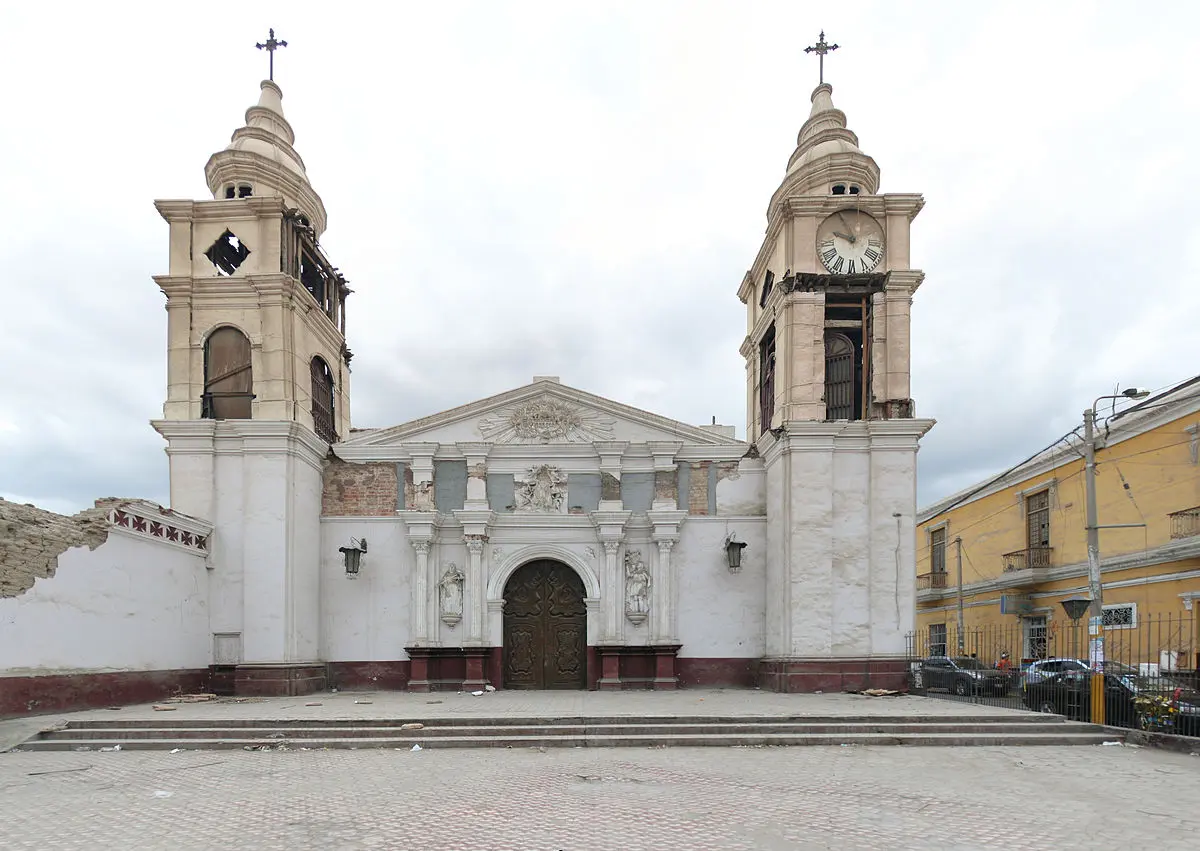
[
  {"x": 937, "y": 639},
  {"x": 322, "y": 401},
  {"x": 1037, "y": 520},
  {"x": 766, "y": 372},
  {"x": 839, "y": 377},
  {"x": 1120, "y": 616},
  {"x": 937, "y": 551}
]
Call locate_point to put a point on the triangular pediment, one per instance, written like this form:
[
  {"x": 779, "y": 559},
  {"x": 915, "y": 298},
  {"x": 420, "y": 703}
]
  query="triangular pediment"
[{"x": 541, "y": 413}]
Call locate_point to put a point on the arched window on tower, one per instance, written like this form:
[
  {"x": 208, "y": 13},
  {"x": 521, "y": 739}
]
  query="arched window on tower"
[
  {"x": 322, "y": 401},
  {"x": 840, "y": 393},
  {"x": 228, "y": 378}
]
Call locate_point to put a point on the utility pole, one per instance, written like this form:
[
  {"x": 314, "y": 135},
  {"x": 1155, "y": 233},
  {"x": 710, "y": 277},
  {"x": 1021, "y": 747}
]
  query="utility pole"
[
  {"x": 958, "y": 547},
  {"x": 1095, "y": 586}
]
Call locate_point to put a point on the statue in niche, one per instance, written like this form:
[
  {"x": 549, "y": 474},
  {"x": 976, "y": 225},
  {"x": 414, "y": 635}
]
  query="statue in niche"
[
  {"x": 544, "y": 490},
  {"x": 452, "y": 595},
  {"x": 637, "y": 587}
]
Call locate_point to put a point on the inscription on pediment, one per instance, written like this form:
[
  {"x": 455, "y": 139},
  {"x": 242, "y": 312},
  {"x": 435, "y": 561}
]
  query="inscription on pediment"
[{"x": 545, "y": 421}]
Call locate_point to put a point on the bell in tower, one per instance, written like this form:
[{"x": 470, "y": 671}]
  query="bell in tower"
[{"x": 829, "y": 406}]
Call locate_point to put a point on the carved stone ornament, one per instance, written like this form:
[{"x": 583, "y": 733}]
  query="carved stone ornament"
[
  {"x": 637, "y": 588},
  {"x": 451, "y": 594},
  {"x": 591, "y": 552},
  {"x": 544, "y": 490},
  {"x": 545, "y": 420}
]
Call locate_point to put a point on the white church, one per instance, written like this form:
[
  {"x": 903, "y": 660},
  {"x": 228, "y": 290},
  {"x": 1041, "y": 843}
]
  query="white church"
[{"x": 541, "y": 538}]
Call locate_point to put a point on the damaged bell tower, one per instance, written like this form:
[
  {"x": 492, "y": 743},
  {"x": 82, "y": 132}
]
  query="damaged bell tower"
[
  {"x": 829, "y": 408},
  {"x": 258, "y": 377}
]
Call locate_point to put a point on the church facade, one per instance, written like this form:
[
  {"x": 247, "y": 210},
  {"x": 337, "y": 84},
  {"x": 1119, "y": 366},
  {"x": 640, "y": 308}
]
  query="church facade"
[{"x": 544, "y": 537}]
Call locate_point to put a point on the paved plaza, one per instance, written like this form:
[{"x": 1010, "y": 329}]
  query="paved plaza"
[
  {"x": 593, "y": 799},
  {"x": 599, "y": 799}
]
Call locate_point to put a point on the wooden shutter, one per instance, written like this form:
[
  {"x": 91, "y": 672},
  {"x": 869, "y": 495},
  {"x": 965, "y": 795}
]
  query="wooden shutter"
[{"x": 228, "y": 378}]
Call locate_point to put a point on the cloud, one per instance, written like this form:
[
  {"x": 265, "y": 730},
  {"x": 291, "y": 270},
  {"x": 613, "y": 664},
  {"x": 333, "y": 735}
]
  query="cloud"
[{"x": 526, "y": 188}]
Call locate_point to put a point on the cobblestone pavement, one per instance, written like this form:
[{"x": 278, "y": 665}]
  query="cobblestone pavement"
[{"x": 601, "y": 799}]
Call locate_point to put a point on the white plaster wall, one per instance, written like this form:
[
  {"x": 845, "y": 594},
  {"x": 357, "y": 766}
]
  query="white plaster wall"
[
  {"x": 132, "y": 604},
  {"x": 893, "y": 553},
  {"x": 366, "y": 619},
  {"x": 744, "y": 492},
  {"x": 809, "y": 527},
  {"x": 721, "y": 613},
  {"x": 304, "y": 533},
  {"x": 850, "y": 590},
  {"x": 775, "y": 616}
]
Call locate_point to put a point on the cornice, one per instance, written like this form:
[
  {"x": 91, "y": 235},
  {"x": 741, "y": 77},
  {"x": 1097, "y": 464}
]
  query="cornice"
[
  {"x": 1052, "y": 459},
  {"x": 1163, "y": 554},
  {"x": 262, "y": 436},
  {"x": 746, "y": 289}
]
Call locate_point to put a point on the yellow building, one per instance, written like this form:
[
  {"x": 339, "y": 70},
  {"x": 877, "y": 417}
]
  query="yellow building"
[{"x": 1022, "y": 543}]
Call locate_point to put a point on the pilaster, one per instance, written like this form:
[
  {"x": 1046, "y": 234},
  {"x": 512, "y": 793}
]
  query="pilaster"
[
  {"x": 422, "y": 474},
  {"x": 422, "y": 533},
  {"x": 610, "y": 531},
  {"x": 476, "y": 527},
  {"x": 476, "y": 455},
  {"x": 665, "y": 533}
]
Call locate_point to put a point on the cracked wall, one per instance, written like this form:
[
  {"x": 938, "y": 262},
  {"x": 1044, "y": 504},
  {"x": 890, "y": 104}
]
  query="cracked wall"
[{"x": 32, "y": 539}]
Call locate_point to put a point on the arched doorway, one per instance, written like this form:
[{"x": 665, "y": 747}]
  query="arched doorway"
[{"x": 545, "y": 628}]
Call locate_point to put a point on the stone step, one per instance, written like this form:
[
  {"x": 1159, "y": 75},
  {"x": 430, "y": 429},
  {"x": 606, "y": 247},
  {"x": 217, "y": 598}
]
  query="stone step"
[
  {"x": 1049, "y": 724},
  {"x": 1067, "y": 735},
  {"x": 169, "y": 720}
]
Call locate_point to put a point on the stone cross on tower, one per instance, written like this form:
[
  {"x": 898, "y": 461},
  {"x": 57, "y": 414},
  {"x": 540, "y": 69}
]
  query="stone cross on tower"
[
  {"x": 820, "y": 48},
  {"x": 272, "y": 44}
]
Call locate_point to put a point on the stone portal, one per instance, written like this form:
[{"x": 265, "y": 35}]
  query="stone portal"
[{"x": 545, "y": 628}]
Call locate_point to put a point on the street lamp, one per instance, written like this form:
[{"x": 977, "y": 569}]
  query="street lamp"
[
  {"x": 1096, "y": 651},
  {"x": 1075, "y": 608}
]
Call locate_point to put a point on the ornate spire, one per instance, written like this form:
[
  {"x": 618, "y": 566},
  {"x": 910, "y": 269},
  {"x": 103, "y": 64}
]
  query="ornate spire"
[
  {"x": 260, "y": 156},
  {"x": 827, "y": 151}
]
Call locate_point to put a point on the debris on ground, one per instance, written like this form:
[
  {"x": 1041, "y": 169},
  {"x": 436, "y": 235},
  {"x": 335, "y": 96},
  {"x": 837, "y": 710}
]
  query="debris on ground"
[
  {"x": 160, "y": 793},
  {"x": 1110, "y": 744},
  {"x": 158, "y": 707},
  {"x": 416, "y": 747},
  {"x": 314, "y": 703},
  {"x": 203, "y": 697},
  {"x": 110, "y": 750},
  {"x": 364, "y": 701},
  {"x": 477, "y": 693},
  {"x": 878, "y": 692},
  {"x": 413, "y": 725},
  {"x": 489, "y": 688}
]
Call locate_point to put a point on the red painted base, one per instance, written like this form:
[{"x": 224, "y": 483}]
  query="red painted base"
[
  {"x": 644, "y": 667},
  {"x": 786, "y": 674},
  {"x": 452, "y": 668},
  {"x": 70, "y": 692},
  {"x": 283, "y": 680},
  {"x": 361, "y": 676},
  {"x": 714, "y": 673}
]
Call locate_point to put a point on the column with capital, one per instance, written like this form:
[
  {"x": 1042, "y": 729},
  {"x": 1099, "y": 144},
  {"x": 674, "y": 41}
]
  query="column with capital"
[
  {"x": 420, "y": 593},
  {"x": 474, "y": 604}
]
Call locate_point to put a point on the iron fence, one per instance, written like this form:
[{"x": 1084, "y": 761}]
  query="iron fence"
[{"x": 1044, "y": 664}]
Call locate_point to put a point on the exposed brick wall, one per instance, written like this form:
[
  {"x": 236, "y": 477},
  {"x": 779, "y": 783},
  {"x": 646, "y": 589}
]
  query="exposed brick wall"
[
  {"x": 32, "y": 539},
  {"x": 359, "y": 490},
  {"x": 698, "y": 488},
  {"x": 666, "y": 485}
]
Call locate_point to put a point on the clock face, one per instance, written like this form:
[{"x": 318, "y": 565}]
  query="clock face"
[{"x": 850, "y": 243}]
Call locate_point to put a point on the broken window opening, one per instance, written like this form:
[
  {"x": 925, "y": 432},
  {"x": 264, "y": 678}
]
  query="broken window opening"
[
  {"x": 768, "y": 284},
  {"x": 304, "y": 261},
  {"x": 228, "y": 376},
  {"x": 839, "y": 189},
  {"x": 766, "y": 387},
  {"x": 854, "y": 190},
  {"x": 229, "y": 191},
  {"x": 245, "y": 190},
  {"x": 227, "y": 253},
  {"x": 324, "y": 423}
]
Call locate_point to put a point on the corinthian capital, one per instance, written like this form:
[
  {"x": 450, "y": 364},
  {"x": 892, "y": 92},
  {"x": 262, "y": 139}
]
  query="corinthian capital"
[{"x": 420, "y": 546}]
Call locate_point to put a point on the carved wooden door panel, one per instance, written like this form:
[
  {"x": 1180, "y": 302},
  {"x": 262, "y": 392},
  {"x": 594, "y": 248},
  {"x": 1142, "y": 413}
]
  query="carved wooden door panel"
[{"x": 545, "y": 628}]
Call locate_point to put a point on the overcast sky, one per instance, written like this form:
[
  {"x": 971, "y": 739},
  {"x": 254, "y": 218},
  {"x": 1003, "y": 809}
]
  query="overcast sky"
[{"x": 577, "y": 189}]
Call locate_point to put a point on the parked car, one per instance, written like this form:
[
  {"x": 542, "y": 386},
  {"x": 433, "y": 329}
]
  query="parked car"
[
  {"x": 1040, "y": 669},
  {"x": 1130, "y": 700},
  {"x": 963, "y": 676}
]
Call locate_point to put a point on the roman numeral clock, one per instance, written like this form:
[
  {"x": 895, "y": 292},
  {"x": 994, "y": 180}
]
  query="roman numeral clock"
[{"x": 850, "y": 243}]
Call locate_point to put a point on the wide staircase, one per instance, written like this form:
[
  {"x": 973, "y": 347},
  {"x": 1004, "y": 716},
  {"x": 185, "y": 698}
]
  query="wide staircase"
[{"x": 566, "y": 732}]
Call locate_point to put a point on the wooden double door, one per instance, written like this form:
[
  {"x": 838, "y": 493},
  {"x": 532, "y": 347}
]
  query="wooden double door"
[{"x": 545, "y": 628}]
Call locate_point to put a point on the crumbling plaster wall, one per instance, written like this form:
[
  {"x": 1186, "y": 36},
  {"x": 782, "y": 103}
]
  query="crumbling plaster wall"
[
  {"x": 82, "y": 596},
  {"x": 32, "y": 539}
]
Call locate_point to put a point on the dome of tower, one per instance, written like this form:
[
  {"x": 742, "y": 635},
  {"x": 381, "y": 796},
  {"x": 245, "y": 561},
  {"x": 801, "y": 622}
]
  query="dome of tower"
[
  {"x": 827, "y": 151},
  {"x": 260, "y": 160}
]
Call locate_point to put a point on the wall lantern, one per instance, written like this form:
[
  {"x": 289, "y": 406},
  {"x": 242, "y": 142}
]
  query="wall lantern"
[
  {"x": 352, "y": 555},
  {"x": 733, "y": 553}
]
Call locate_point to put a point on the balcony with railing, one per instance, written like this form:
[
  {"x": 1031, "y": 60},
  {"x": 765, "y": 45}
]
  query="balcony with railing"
[
  {"x": 1031, "y": 558},
  {"x": 1186, "y": 523},
  {"x": 927, "y": 581}
]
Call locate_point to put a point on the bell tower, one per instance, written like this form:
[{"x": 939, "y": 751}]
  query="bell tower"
[
  {"x": 829, "y": 408},
  {"x": 258, "y": 377}
]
